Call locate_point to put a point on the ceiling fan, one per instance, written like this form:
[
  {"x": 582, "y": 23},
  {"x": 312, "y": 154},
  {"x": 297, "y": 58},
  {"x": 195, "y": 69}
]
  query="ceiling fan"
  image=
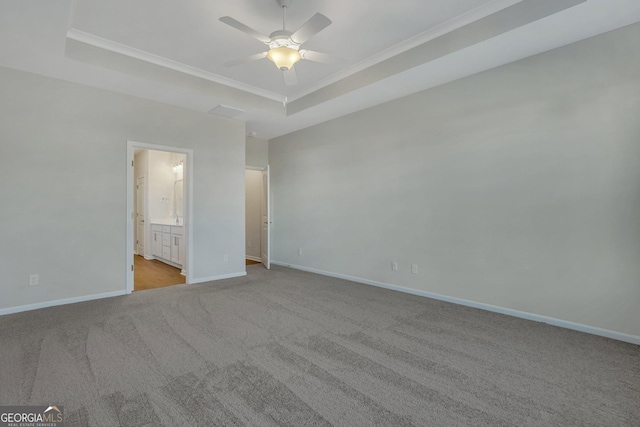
[{"x": 284, "y": 46}]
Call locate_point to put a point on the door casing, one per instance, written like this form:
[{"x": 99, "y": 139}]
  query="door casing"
[{"x": 188, "y": 206}]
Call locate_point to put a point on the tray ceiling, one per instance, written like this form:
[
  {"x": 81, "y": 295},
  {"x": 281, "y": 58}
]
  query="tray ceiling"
[{"x": 174, "y": 51}]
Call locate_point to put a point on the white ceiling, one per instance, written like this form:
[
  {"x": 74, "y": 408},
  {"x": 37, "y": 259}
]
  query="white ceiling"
[{"x": 174, "y": 51}]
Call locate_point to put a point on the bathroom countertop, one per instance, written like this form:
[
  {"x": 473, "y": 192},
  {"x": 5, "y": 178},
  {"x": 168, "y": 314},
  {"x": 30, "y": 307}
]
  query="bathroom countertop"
[{"x": 166, "y": 221}]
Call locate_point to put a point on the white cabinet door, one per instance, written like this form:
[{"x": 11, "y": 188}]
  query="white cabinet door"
[
  {"x": 156, "y": 244},
  {"x": 175, "y": 248},
  {"x": 167, "y": 244},
  {"x": 178, "y": 249}
]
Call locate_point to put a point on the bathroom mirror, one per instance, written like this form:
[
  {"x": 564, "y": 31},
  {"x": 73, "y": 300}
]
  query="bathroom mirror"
[{"x": 178, "y": 199}]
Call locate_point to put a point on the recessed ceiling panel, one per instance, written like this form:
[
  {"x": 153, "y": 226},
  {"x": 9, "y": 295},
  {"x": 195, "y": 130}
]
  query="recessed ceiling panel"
[
  {"x": 189, "y": 32},
  {"x": 172, "y": 51}
]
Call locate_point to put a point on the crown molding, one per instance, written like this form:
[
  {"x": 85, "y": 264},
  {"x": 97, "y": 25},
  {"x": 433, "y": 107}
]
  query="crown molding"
[
  {"x": 453, "y": 24},
  {"x": 109, "y": 45}
]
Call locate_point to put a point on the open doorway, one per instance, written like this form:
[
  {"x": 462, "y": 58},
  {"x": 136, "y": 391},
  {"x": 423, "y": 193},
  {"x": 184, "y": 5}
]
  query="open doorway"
[
  {"x": 257, "y": 217},
  {"x": 159, "y": 216}
]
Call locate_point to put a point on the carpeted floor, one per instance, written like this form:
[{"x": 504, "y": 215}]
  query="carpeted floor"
[{"x": 289, "y": 348}]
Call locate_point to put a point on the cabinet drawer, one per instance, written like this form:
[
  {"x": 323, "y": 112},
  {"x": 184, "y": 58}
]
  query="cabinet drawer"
[
  {"x": 166, "y": 252},
  {"x": 177, "y": 230},
  {"x": 166, "y": 239},
  {"x": 166, "y": 229},
  {"x": 155, "y": 227}
]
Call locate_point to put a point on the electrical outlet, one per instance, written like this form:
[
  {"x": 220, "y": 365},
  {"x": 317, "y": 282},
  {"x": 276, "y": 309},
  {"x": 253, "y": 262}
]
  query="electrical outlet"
[
  {"x": 226, "y": 258},
  {"x": 394, "y": 266},
  {"x": 34, "y": 279},
  {"x": 414, "y": 268},
  {"x": 299, "y": 251}
]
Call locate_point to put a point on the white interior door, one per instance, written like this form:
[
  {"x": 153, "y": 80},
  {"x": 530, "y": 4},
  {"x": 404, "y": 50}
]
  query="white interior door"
[
  {"x": 265, "y": 241},
  {"x": 140, "y": 216}
]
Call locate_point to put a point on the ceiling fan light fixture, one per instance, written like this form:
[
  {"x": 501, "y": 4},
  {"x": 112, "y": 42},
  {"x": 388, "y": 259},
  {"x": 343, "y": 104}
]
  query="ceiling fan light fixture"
[{"x": 284, "y": 57}]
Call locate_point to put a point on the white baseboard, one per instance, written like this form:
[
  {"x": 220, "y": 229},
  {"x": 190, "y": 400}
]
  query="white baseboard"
[
  {"x": 253, "y": 258},
  {"x": 620, "y": 336},
  {"x": 46, "y": 304},
  {"x": 18, "y": 309},
  {"x": 223, "y": 276}
]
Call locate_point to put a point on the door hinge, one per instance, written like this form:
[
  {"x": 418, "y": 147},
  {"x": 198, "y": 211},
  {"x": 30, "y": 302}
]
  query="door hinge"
[
  {"x": 131, "y": 267},
  {"x": 131, "y": 163}
]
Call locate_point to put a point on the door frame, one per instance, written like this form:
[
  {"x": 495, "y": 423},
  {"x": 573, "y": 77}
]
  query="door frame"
[
  {"x": 136, "y": 225},
  {"x": 266, "y": 195},
  {"x": 246, "y": 256},
  {"x": 188, "y": 207}
]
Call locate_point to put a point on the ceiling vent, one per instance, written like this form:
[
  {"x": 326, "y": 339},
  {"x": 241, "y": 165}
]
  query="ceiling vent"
[{"x": 226, "y": 111}]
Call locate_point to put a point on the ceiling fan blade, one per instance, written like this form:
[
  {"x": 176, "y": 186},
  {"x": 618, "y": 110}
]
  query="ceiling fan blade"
[
  {"x": 314, "y": 25},
  {"x": 290, "y": 77},
  {"x": 314, "y": 56},
  {"x": 247, "y": 30},
  {"x": 244, "y": 60}
]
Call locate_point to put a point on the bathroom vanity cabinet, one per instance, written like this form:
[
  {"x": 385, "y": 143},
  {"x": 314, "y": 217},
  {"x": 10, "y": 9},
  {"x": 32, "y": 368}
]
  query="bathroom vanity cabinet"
[{"x": 167, "y": 244}]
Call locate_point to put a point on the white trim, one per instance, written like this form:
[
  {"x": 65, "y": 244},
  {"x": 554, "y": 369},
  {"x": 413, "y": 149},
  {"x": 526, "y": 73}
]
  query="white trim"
[
  {"x": 466, "y": 18},
  {"x": 172, "y": 264},
  {"x": 439, "y": 30},
  {"x": 221, "y": 277},
  {"x": 260, "y": 169},
  {"x": 72, "y": 14},
  {"x": 266, "y": 194},
  {"x": 110, "y": 45},
  {"x": 188, "y": 223},
  {"x": 54, "y": 303},
  {"x": 620, "y": 336}
]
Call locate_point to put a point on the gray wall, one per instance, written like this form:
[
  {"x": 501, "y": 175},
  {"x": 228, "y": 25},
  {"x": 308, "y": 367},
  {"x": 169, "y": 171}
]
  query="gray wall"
[
  {"x": 63, "y": 186},
  {"x": 518, "y": 187},
  {"x": 257, "y": 152}
]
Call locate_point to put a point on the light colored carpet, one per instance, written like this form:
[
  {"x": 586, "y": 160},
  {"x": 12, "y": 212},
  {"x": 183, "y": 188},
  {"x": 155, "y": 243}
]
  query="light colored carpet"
[{"x": 289, "y": 348}]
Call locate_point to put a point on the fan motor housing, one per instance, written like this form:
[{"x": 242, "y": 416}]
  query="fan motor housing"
[
  {"x": 280, "y": 34},
  {"x": 281, "y": 38}
]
